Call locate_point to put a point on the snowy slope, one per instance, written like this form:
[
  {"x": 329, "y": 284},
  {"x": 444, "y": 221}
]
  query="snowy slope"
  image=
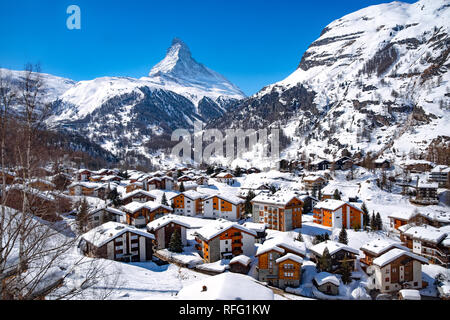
[{"x": 374, "y": 79}]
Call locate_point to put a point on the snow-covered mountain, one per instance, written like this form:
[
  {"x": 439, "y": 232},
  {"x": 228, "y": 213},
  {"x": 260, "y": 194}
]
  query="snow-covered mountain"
[
  {"x": 123, "y": 114},
  {"x": 375, "y": 81}
]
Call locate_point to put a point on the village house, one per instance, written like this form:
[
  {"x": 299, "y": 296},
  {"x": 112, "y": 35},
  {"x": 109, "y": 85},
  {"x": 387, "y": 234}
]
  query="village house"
[
  {"x": 319, "y": 165},
  {"x": 280, "y": 211},
  {"x": 223, "y": 206},
  {"x": 188, "y": 185},
  {"x": 435, "y": 218},
  {"x": 327, "y": 283},
  {"x": 441, "y": 175},
  {"x": 259, "y": 228},
  {"x": 163, "y": 228},
  {"x": 41, "y": 184},
  {"x": 382, "y": 163},
  {"x": 343, "y": 163},
  {"x": 137, "y": 196},
  {"x": 398, "y": 219},
  {"x": 224, "y": 240},
  {"x": 240, "y": 264},
  {"x": 116, "y": 241},
  {"x": 376, "y": 248},
  {"x": 111, "y": 178},
  {"x": 279, "y": 261},
  {"x": 83, "y": 175},
  {"x": 426, "y": 193},
  {"x": 309, "y": 202},
  {"x": 96, "y": 178},
  {"x": 140, "y": 214},
  {"x": 429, "y": 242},
  {"x": 102, "y": 215},
  {"x": 225, "y": 177},
  {"x": 338, "y": 214},
  {"x": 134, "y": 186},
  {"x": 188, "y": 203},
  {"x": 416, "y": 166},
  {"x": 395, "y": 270},
  {"x": 83, "y": 188},
  {"x": 314, "y": 184},
  {"x": 338, "y": 252}
]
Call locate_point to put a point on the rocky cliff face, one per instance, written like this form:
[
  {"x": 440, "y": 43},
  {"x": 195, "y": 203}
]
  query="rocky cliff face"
[{"x": 375, "y": 81}]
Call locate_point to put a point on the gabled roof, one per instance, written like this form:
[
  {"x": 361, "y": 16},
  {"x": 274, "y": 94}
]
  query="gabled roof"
[
  {"x": 150, "y": 205},
  {"x": 325, "y": 277},
  {"x": 213, "y": 230},
  {"x": 136, "y": 192},
  {"x": 394, "y": 254},
  {"x": 428, "y": 233},
  {"x": 242, "y": 259},
  {"x": 290, "y": 256},
  {"x": 163, "y": 221},
  {"x": 109, "y": 209},
  {"x": 333, "y": 205},
  {"x": 280, "y": 242},
  {"x": 380, "y": 246},
  {"x": 227, "y": 197},
  {"x": 193, "y": 195},
  {"x": 278, "y": 198},
  {"x": 104, "y": 233},
  {"x": 332, "y": 246}
]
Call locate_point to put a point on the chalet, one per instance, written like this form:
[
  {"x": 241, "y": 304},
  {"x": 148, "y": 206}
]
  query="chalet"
[
  {"x": 140, "y": 214},
  {"x": 102, "y": 215},
  {"x": 338, "y": 214},
  {"x": 319, "y": 165},
  {"x": 104, "y": 189},
  {"x": 328, "y": 192},
  {"x": 382, "y": 163},
  {"x": 137, "y": 196},
  {"x": 429, "y": 242},
  {"x": 116, "y": 241},
  {"x": 279, "y": 211},
  {"x": 188, "y": 185},
  {"x": 240, "y": 264},
  {"x": 314, "y": 183},
  {"x": 338, "y": 252},
  {"x": 409, "y": 294},
  {"x": 224, "y": 240},
  {"x": 275, "y": 270},
  {"x": 223, "y": 206},
  {"x": 225, "y": 177},
  {"x": 185, "y": 178},
  {"x": 441, "y": 175},
  {"x": 327, "y": 283},
  {"x": 161, "y": 183},
  {"x": 83, "y": 188},
  {"x": 416, "y": 166},
  {"x": 426, "y": 193},
  {"x": 163, "y": 228},
  {"x": 309, "y": 202},
  {"x": 395, "y": 270},
  {"x": 399, "y": 219},
  {"x": 343, "y": 163},
  {"x": 134, "y": 186},
  {"x": 201, "y": 180},
  {"x": 376, "y": 248},
  {"x": 188, "y": 203},
  {"x": 253, "y": 170},
  {"x": 41, "y": 184},
  {"x": 83, "y": 175},
  {"x": 111, "y": 178},
  {"x": 96, "y": 178},
  {"x": 435, "y": 218},
  {"x": 259, "y": 228}
]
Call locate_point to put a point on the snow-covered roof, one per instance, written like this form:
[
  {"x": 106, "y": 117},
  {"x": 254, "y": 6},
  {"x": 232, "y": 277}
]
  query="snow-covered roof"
[
  {"x": 278, "y": 198},
  {"x": 214, "y": 229},
  {"x": 281, "y": 241},
  {"x": 136, "y": 192},
  {"x": 439, "y": 216},
  {"x": 401, "y": 215},
  {"x": 379, "y": 246},
  {"x": 226, "y": 286},
  {"x": 39, "y": 180},
  {"x": 150, "y": 205},
  {"x": 193, "y": 195},
  {"x": 428, "y": 185},
  {"x": 109, "y": 209},
  {"x": 223, "y": 175},
  {"x": 410, "y": 294},
  {"x": 313, "y": 178},
  {"x": 394, "y": 254},
  {"x": 441, "y": 169},
  {"x": 165, "y": 220},
  {"x": 290, "y": 256},
  {"x": 332, "y": 204},
  {"x": 332, "y": 246},
  {"x": 325, "y": 277},
  {"x": 258, "y": 227},
  {"x": 227, "y": 197},
  {"x": 87, "y": 185},
  {"x": 242, "y": 259},
  {"x": 428, "y": 233},
  {"x": 106, "y": 232}
]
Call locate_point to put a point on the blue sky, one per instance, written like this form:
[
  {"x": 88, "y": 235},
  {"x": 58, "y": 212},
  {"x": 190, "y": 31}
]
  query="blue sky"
[{"x": 252, "y": 43}]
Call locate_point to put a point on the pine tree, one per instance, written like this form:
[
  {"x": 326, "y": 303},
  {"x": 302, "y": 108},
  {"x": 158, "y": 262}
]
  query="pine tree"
[
  {"x": 346, "y": 271},
  {"x": 324, "y": 263},
  {"x": 248, "y": 205},
  {"x": 366, "y": 217},
  {"x": 175, "y": 244},
  {"x": 164, "y": 200},
  {"x": 272, "y": 189},
  {"x": 373, "y": 222},
  {"x": 343, "y": 236},
  {"x": 337, "y": 195},
  {"x": 182, "y": 189},
  {"x": 326, "y": 237},
  {"x": 114, "y": 196},
  {"x": 237, "y": 171},
  {"x": 379, "y": 222},
  {"x": 82, "y": 218},
  {"x": 299, "y": 237},
  {"x": 209, "y": 170}
]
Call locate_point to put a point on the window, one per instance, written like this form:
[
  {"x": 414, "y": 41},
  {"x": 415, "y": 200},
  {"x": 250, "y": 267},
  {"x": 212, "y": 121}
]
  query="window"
[
  {"x": 416, "y": 284},
  {"x": 387, "y": 279},
  {"x": 387, "y": 287}
]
